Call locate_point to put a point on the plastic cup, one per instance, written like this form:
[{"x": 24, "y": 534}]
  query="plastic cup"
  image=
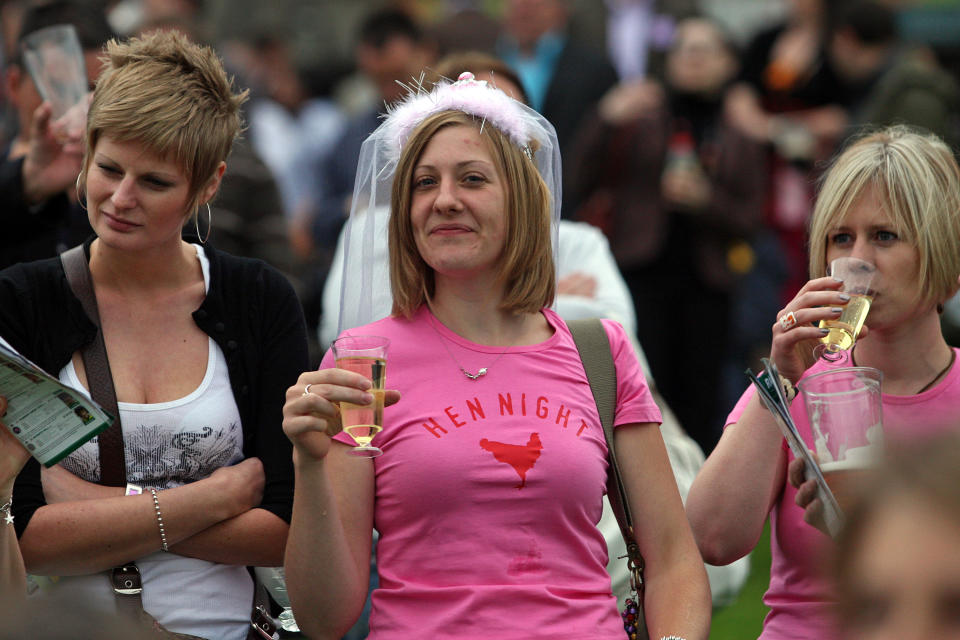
[
  {"x": 845, "y": 410},
  {"x": 55, "y": 61}
]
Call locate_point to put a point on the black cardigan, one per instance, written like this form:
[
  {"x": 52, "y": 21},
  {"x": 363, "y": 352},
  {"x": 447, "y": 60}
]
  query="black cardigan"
[{"x": 250, "y": 311}]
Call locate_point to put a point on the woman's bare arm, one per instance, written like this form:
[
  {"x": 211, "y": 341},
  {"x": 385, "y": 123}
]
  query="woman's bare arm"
[
  {"x": 12, "y": 573},
  {"x": 744, "y": 475},
  {"x": 328, "y": 551},
  {"x": 737, "y": 486},
  {"x": 75, "y": 536},
  {"x": 677, "y": 594}
]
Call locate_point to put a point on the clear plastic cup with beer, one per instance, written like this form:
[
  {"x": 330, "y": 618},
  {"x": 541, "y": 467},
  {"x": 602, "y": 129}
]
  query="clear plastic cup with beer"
[
  {"x": 54, "y": 58},
  {"x": 845, "y": 410}
]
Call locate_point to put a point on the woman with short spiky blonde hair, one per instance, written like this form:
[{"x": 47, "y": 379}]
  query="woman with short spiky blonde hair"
[
  {"x": 173, "y": 99},
  {"x": 200, "y": 344}
]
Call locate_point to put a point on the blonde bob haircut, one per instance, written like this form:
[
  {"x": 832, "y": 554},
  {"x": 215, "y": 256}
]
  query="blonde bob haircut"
[
  {"x": 526, "y": 266},
  {"x": 917, "y": 179},
  {"x": 172, "y": 96}
]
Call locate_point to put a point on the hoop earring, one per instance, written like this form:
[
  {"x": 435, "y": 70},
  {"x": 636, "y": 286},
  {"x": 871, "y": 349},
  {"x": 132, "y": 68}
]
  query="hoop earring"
[
  {"x": 79, "y": 199},
  {"x": 196, "y": 222}
]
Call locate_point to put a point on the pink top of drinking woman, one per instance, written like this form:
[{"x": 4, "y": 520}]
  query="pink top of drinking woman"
[{"x": 798, "y": 596}]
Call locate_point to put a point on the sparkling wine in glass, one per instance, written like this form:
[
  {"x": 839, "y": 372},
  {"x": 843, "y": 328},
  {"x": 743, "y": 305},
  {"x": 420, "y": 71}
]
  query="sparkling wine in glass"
[
  {"x": 843, "y": 331},
  {"x": 366, "y": 355}
]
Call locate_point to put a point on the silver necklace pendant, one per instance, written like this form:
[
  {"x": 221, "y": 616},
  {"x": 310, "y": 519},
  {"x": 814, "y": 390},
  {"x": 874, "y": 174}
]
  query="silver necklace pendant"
[{"x": 474, "y": 376}]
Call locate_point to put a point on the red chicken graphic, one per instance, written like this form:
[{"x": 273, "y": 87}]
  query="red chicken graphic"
[{"x": 521, "y": 457}]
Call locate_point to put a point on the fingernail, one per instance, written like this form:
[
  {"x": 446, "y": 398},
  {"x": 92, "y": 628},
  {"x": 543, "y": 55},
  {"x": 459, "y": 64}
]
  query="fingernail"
[
  {"x": 837, "y": 309},
  {"x": 844, "y": 297},
  {"x": 838, "y": 279},
  {"x": 824, "y": 331}
]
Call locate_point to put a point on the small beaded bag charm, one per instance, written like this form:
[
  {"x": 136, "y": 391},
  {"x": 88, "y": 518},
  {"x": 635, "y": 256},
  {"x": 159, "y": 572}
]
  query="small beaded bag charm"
[
  {"x": 633, "y": 620},
  {"x": 630, "y": 618}
]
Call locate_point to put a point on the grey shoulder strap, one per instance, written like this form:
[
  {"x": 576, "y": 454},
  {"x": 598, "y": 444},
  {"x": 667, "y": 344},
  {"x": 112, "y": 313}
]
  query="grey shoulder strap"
[{"x": 594, "y": 348}]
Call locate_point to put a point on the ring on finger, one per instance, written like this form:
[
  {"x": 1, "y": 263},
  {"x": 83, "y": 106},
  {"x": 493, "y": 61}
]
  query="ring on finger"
[
  {"x": 788, "y": 321},
  {"x": 306, "y": 389}
]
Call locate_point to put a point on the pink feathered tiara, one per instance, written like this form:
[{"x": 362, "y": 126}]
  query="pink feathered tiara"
[{"x": 468, "y": 95}]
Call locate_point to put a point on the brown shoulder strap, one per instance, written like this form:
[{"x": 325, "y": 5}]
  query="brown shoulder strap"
[
  {"x": 113, "y": 470},
  {"x": 594, "y": 348}
]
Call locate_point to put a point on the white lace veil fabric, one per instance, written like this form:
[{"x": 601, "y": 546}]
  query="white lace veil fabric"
[{"x": 366, "y": 270}]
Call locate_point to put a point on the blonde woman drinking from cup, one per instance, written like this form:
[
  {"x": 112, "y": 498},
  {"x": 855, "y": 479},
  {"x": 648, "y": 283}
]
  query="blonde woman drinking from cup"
[
  {"x": 490, "y": 486},
  {"x": 892, "y": 198}
]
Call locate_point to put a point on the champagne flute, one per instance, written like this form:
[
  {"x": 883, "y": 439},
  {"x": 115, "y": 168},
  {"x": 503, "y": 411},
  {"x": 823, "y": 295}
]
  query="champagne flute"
[
  {"x": 856, "y": 275},
  {"x": 366, "y": 355}
]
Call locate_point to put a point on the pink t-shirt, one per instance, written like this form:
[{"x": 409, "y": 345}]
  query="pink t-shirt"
[
  {"x": 799, "y": 595},
  {"x": 489, "y": 491}
]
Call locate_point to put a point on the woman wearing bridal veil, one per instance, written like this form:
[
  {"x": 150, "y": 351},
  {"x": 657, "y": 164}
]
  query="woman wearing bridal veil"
[{"x": 493, "y": 470}]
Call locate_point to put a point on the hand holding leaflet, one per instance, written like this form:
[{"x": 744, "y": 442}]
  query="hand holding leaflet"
[
  {"x": 771, "y": 393},
  {"x": 49, "y": 418}
]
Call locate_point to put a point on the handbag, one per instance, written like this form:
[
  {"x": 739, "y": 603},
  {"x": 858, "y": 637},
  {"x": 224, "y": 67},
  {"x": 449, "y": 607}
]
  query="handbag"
[
  {"x": 126, "y": 580},
  {"x": 593, "y": 346}
]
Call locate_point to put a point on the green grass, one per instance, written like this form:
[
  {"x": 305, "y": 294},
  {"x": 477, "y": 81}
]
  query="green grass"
[{"x": 744, "y": 618}]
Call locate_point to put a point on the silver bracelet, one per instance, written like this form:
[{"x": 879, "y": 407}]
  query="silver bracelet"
[
  {"x": 5, "y": 510},
  {"x": 672, "y": 638},
  {"x": 163, "y": 533}
]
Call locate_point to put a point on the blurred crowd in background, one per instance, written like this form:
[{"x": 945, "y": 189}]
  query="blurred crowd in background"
[{"x": 692, "y": 135}]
